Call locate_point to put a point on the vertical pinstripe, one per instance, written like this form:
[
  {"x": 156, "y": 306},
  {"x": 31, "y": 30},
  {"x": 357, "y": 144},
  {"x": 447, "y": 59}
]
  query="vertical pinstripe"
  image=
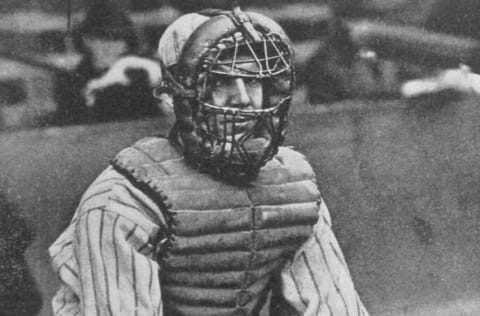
[
  {"x": 312, "y": 277},
  {"x": 114, "y": 241},
  {"x": 337, "y": 288},
  {"x": 134, "y": 280},
  {"x": 330, "y": 311},
  {"x": 359, "y": 311},
  {"x": 80, "y": 270},
  {"x": 297, "y": 288},
  {"x": 90, "y": 259},
  {"x": 150, "y": 282},
  {"x": 338, "y": 255},
  {"x": 105, "y": 274},
  {"x": 64, "y": 303}
]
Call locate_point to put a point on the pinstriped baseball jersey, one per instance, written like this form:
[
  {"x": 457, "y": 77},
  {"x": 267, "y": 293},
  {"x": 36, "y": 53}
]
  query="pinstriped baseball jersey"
[{"x": 107, "y": 266}]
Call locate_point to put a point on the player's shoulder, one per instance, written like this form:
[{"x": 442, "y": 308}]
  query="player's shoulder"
[
  {"x": 148, "y": 149},
  {"x": 290, "y": 163},
  {"x": 100, "y": 191},
  {"x": 114, "y": 193},
  {"x": 288, "y": 154}
]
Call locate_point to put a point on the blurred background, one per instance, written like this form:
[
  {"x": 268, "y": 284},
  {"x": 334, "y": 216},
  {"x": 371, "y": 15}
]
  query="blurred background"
[{"x": 399, "y": 169}]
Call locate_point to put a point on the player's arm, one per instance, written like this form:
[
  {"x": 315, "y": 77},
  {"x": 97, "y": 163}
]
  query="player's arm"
[
  {"x": 317, "y": 280},
  {"x": 114, "y": 245},
  {"x": 121, "y": 74}
]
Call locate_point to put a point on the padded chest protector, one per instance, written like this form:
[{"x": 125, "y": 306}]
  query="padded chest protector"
[{"x": 225, "y": 242}]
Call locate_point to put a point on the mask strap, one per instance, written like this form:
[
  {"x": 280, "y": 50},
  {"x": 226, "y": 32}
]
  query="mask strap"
[
  {"x": 244, "y": 21},
  {"x": 171, "y": 86}
]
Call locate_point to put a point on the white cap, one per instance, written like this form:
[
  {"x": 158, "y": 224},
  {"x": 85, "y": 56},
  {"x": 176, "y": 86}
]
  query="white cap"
[{"x": 172, "y": 41}]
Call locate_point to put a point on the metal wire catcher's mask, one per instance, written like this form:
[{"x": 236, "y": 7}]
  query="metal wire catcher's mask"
[
  {"x": 244, "y": 89},
  {"x": 232, "y": 86}
]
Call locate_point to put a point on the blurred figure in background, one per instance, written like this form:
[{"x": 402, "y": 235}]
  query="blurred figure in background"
[
  {"x": 328, "y": 71},
  {"x": 460, "y": 18},
  {"x": 113, "y": 80},
  {"x": 341, "y": 70}
]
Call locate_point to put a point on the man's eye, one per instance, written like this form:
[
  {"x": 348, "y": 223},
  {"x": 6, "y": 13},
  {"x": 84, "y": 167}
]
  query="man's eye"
[{"x": 220, "y": 82}]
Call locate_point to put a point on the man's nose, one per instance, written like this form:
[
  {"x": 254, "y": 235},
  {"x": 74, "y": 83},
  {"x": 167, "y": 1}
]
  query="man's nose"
[{"x": 240, "y": 96}]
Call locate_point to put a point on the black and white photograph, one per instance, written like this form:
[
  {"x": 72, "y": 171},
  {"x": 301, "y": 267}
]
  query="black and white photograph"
[{"x": 239, "y": 157}]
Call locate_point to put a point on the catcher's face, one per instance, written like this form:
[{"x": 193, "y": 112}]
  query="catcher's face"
[{"x": 236, "y": 92}]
